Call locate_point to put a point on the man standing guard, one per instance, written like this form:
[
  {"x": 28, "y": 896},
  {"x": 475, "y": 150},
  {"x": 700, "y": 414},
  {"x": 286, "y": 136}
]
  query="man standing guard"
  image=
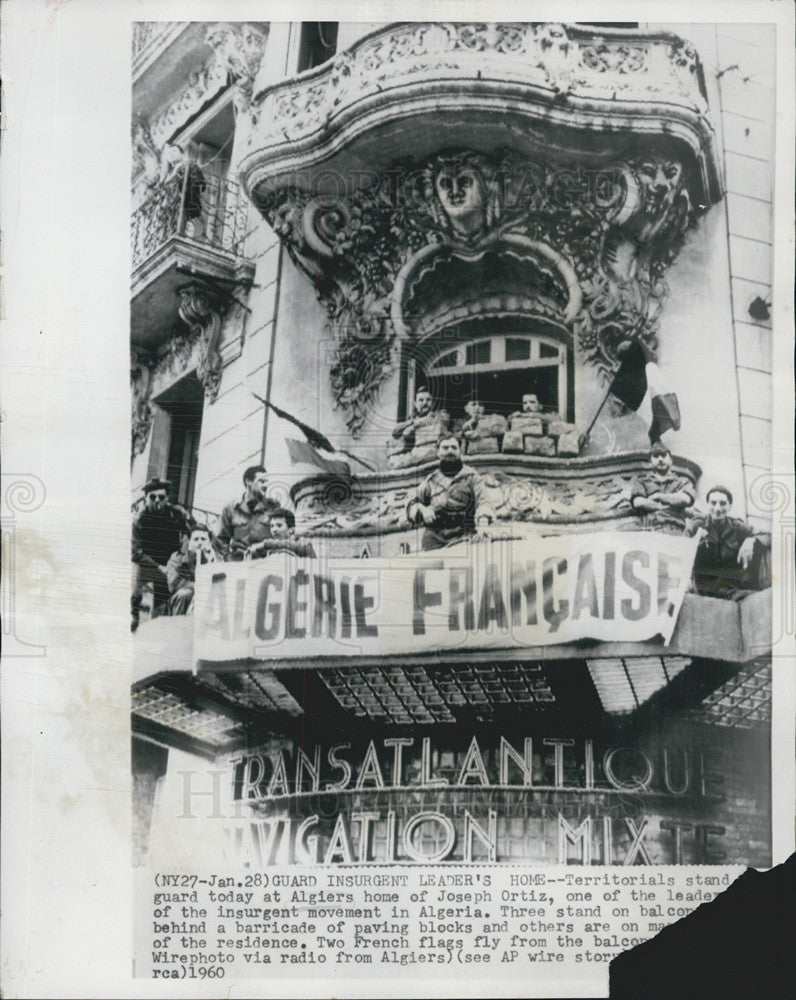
[
  {"x": 416, "y": 437},
  {"x": 451, "y": 501},
  {"x": 246, "y": 522},
  {"x": 731, "y": 558},
  {"x": 157, "y": 532},
  {"x": 661, "y": 495}
]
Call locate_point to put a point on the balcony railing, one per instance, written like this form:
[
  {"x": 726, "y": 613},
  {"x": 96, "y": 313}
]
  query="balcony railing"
[{"x": 194, "y": 206}]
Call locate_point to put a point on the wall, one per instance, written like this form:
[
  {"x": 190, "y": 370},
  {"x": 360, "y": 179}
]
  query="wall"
[{"x": 739, "y": 64}]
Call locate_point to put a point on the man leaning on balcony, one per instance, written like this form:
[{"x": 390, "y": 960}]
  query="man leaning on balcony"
[
  {"x": 661, "y": 495},
  {"x": 732, "y": 558},
  {"x": 246, "y": 522},
  {"x": 451, "y": 501}
]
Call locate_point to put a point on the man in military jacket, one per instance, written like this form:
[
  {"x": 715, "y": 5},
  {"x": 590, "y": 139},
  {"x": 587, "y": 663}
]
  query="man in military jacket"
[
  {"x": 247, "y": 521},
  {"x": 157, "y": 532},
  {"x": 451, "y": 501},
  {"x": 731, "y": 558},
  {"x": 661, "y": 495}
]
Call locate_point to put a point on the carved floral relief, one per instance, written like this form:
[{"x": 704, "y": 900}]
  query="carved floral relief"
[{"x": 599, "y": 241}]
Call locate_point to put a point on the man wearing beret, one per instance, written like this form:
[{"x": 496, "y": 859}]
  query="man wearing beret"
[{"x": 157, "y": 532}]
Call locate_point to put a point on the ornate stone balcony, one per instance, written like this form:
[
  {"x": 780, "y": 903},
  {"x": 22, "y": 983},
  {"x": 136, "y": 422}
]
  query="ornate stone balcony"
[
  {"x": 549, "y": 495},
  {"x": 408, "y": 88},
  {"x": 442, "y": 176}
]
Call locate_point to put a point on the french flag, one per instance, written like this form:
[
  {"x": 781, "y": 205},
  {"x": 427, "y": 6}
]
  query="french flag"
[{"x": 639, "y": 385}]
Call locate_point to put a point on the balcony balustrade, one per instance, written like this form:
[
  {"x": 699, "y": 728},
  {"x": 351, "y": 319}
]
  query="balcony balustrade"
[
  {"x": 205, "y": 210},
  {"x": 192, "y": 226}
]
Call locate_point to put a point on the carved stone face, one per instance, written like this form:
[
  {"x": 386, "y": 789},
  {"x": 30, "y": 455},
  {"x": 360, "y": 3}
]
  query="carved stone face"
[
  {"x": 461, "y": 194},
  {"x": 531, "y": 404},
  {"x": 423, "y": 403},
  {"x": 474, "y": 409},
  {"x": 660, "y": 180},
  {"x": 661, "y": 462}
]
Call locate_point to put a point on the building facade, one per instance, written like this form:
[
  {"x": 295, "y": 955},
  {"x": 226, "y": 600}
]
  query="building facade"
[{"x": 327, "y": 219}]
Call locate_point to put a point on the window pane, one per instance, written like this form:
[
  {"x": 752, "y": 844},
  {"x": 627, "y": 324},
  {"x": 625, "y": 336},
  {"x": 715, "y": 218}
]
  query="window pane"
[
  {"x": 517, "y": 350},
  {"x": 478, "y": 353},
  {"x": 548, "y": 351}
]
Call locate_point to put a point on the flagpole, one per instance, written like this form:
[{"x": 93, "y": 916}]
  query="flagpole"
[
  {"x": 585, "y": 437},
  {"x": 314, "y": 437}
]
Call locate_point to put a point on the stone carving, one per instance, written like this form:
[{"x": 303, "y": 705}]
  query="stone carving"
[
  {"x": 146, "y": 156},
  {"x": 587, "y": 249},
  {"x": 178, "y": 353},
  {"x": 141, "y": 366},
  {"x": 603, "y": 58},
  {"x": 549, "y": 494},
  {"x": 560, "y": 57},
  {"x": 201, "y": 312},
  {"x": 239, "y": 49},
  {"x": 461, "y": 194},
  {"x": 203, "y": 83},
  {"x": 565, "y": 59},
  {"x": 624, "y": 295}
]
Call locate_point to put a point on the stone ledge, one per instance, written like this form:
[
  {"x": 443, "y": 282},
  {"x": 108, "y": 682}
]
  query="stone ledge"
[
  {"x": 551, "y": 491},
  {"x": 546, "y": 75}
]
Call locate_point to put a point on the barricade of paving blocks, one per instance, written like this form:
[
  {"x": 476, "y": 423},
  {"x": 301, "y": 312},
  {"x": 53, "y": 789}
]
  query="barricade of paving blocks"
[{"x": 541, "y": 435}]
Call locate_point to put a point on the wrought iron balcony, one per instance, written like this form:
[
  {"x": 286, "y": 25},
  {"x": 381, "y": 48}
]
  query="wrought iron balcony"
[
  {"x": 190, "y": 205},
  {"x": 191, "y": 225}
]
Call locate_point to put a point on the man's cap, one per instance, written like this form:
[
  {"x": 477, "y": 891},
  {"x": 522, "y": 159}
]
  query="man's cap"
[
  {"x": 659, "y": 448},
  {"x": 157, "y": 484}
]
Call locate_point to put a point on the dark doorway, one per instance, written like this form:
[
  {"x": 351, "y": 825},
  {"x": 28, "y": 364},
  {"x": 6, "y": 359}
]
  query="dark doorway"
[{"x": 183, "y": 403}]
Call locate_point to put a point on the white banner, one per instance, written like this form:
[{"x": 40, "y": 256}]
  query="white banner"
[{"x": 498, "y": 594}]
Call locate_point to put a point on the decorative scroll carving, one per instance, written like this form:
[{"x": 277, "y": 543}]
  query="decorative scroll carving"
[
  {"x": 178, "y": 353},
  {"x": 140, "y": 387},
  {"x": 624, "y": 295},
  {"x": 203, "y": 83},
  {"x": 565, "y": 59},
  {"x": 556, "y": 492},
  {"x": 199, "y": 309},
  {"x": 584, "y": 248},
  {"x": 239, "y": 49}
]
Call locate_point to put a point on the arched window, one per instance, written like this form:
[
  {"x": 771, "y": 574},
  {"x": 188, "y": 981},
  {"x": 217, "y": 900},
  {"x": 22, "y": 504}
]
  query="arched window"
[{"x": 498, "y": 370}]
